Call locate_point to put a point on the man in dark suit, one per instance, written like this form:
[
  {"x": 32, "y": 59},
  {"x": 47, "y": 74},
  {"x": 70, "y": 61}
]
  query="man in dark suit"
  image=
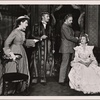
[{"x": 67, "y": 44}]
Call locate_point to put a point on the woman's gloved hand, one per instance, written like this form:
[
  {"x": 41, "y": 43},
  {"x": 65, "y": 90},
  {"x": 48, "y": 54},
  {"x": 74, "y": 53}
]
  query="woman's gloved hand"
[{"x": 12, "y": 56}]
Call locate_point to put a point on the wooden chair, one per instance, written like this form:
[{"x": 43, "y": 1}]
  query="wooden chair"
[{"x": 14, "y": 77}]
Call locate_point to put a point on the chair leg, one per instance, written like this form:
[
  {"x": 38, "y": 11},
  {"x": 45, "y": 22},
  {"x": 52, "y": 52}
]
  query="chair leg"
[
  {"x": 25, "y": 85},
  {"x": 27, "y": 88},
  {"x": 16, "y": 88},
  {"x": 5, "y": 88}
]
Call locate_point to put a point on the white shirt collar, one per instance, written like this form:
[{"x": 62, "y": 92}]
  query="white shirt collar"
[{"x": 44, "y": 24}]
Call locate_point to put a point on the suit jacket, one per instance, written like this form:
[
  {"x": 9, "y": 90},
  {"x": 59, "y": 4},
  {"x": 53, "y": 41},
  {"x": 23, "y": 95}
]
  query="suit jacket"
[{"x": 67, "y": 39}]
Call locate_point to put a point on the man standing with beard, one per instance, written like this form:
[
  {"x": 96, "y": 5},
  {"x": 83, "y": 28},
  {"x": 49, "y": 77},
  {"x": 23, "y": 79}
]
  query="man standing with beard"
[{"x": 67, "y": 44}]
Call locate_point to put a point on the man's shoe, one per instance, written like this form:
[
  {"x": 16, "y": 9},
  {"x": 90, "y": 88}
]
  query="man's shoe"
[
  {"x": 43, "y": 82},
  {"x": 34, "y": 81},
  {"x": 63, "y": 84}
]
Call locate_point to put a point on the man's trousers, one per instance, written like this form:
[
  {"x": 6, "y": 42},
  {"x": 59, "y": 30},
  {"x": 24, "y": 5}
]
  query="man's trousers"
[{"x": 65, "y": 67}]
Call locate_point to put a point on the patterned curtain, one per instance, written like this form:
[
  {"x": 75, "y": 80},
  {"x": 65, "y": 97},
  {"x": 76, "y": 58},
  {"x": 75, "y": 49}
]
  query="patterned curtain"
[
  {"x": 6, "y": 26},
  {"x": 9, "y": 14}
]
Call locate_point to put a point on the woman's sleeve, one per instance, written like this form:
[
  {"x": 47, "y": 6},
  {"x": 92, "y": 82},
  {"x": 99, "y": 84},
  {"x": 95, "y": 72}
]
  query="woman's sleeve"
[
  {"x": 8, "y": 42},
  {"x": 76, "y": 58},
  {"x": 92, "y": 57},
  {"x": 30, "y": 43}
]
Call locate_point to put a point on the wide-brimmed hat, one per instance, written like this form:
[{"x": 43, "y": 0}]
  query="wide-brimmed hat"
[
  {"x": 22, "y": 17},
  {"x": 19, "y": 19}
]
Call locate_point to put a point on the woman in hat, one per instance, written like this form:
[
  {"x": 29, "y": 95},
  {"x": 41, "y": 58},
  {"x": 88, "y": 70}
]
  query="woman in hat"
[{"x": 14, "y": 45}]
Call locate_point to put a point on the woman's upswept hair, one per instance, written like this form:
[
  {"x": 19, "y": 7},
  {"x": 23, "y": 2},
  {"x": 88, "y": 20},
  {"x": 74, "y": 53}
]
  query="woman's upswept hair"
[{"x": 84, "y": 35}]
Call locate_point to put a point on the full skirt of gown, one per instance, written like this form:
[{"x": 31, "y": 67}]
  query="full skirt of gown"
[{"x": 85, "y": 79}]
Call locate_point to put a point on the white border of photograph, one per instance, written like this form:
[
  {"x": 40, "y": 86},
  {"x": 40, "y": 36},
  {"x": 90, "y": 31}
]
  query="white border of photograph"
[{"x": 49, "y": 2}]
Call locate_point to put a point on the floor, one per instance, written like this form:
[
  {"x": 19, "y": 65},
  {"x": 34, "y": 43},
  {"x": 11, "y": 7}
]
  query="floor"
[{"x": 52, "y": 88}]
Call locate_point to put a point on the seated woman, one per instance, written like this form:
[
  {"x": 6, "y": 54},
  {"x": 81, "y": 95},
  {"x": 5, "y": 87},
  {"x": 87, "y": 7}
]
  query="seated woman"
[{"x": 85, "y": 74}]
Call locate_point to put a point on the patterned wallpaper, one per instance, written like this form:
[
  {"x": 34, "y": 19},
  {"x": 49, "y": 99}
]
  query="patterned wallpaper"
[{"x": 92, "y": 24}]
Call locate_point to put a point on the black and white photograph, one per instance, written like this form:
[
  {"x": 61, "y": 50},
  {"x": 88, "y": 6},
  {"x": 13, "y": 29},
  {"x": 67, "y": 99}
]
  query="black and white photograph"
[{"x": 49, "y": 50}]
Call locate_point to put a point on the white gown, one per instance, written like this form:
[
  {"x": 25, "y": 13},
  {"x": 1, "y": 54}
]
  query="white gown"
[{"x": 83, "y": 78}]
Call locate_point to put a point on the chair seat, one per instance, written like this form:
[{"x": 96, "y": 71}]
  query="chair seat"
[{"x": 11, "y": 77}]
